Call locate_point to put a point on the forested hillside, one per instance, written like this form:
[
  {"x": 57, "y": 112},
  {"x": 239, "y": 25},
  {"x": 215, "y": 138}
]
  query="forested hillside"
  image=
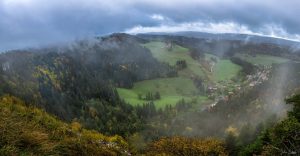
[
  {"x": 30, "y": 131},
  {"x": 79, "y": 80}
]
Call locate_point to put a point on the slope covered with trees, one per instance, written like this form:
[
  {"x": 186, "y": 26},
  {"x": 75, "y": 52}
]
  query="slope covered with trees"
[
  {"x": 30, "y": 131},
  {"x": 281, "y": 139},
  {"x": 79, "y": 80},
  {"x": 26, "y": 130}
]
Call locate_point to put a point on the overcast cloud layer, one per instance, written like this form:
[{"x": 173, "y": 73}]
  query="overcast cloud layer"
[{"x": 27, "y": 23}]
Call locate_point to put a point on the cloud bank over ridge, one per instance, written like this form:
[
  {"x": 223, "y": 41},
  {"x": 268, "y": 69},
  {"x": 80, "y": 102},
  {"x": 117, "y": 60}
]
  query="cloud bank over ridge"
[{"x": 35, "y": 22}]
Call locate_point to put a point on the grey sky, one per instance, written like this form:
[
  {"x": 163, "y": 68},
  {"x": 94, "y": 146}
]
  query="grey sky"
[{"x": 27, "y": 23}]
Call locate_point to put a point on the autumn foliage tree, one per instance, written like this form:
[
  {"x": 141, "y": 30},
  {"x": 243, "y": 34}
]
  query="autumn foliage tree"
[{"x": 187, "y": 147}]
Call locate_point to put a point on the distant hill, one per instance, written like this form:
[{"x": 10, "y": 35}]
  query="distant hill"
[
  {"x": 211, "y": 43},
  {"x": 238, "y": 37}
]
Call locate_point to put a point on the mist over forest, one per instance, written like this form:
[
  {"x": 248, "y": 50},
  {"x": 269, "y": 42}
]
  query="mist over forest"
[{"x": 90, "y": 78}]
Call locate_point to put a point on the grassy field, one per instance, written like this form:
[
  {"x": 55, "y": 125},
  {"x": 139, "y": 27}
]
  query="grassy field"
[
  {"x": 171, "y": 90},
  {"x": 161, "y": 53},
  {"x": 224, "y": 69},
  {"x": 209, "y": 56},
  {"x": 262, "y": 59},
  {"x": 182, "y": 87},
  {"x": 167, "y": 86}
]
